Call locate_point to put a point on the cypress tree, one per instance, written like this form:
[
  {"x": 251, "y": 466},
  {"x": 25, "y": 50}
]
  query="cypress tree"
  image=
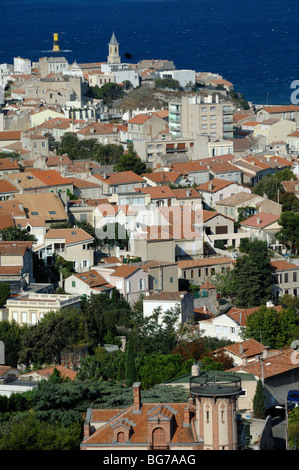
[
  {"x": 130, "y": 363},
  {"x": 259, "y": 401}
]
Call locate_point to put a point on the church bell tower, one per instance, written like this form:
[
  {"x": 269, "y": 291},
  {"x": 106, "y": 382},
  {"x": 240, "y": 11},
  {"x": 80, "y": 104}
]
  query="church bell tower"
[{"x": 113, "y": 57}]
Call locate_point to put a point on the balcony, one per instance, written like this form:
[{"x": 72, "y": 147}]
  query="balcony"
[{"x": 215, "y": 384}]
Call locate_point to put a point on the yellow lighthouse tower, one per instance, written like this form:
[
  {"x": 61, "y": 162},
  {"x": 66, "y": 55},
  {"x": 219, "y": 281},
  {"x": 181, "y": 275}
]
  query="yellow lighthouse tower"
[{"x": 55, "y": 44}]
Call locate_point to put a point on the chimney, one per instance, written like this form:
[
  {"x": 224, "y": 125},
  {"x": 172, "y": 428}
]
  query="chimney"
[
  {"x": 186, "y": 416},
  {"x": 258, "y": 219},
  {"x": 86, "y": 430},
  {"x": 265, "y": 353},
  {"x": 136, "y": 397}
]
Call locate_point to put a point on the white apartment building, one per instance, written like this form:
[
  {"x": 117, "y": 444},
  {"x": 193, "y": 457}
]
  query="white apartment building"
[
  {"x": 22, "y": 66},
  {"x": 184, "y": 77},
  {"x": 196, "y": 114}
]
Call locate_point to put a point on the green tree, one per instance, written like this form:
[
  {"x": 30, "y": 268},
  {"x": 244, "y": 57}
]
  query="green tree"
[
  {"x": 158, "y": 368},
  {"x": 11, "y": 335},
  {"x": 16, "y": 234},
  {"x": 259, "y": 401},
  {"x": 4, "y": 292},
  {"x": 113, "y": 234},
  {"x": 272, "y": 328},
  {"x": 44, "y": 341},
  {"x": 130, "y": 362},
  {"x": 130, "y": 162},
  {"x": 253, "y": 276},
  {"x": 167, "y": 83},
  {"x": 225, "y": 283},
  {"x": 293, "y": 429},
  {"x": 26, "y": 432},
  {"x": 108, "y": 93},
  {"x": 289, "y": 232}
]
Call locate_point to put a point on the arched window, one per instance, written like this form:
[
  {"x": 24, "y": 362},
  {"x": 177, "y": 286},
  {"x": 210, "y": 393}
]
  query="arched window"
[
  {"x": 121, "y": 437},
  {"x": 158, "y": 438}
]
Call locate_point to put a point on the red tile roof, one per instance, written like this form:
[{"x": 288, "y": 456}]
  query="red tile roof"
[
  {"x": 125, "y": 270},
  {"x": 138, "y": 422},
  {"x": 214, "y": 185},
  {"x": 70, "y": 235},
  {"x": 10, "y": 135},
  {"x": 47, "y": 372},
  {"x": 239, "y": 315},
  {"x": 283, "y": 265},
  {"x": 276, "y": 363},
  {"x": 280, "y": 109},
  {"x": 50, "y": 177},
  {"x": 9, "y": 164},
  {"x": 157, "y": 192},
  {"x": 261, "y": 220},
  {"x": 140, "y": 119},
  {"x": 122, "y": 177},
  {"x": 194, "y": 263}
]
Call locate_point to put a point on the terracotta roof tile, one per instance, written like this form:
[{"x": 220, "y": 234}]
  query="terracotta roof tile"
[
  {"x": 276, "y": 363},
  {"x": 125, "y": 270},
  {"x": 122, "y": 177},
  {"x": 47, "y": 372},
  {"x": 239, "y": 315},
  {"x": 260, "y": 220},
  {"x": 283, "y": 265},
  {"x": 139, "y": 424},
  {"x": 193, "y": 263},
  {"x": 70, "y": 235},
  {"x": 157, "y": 192}
]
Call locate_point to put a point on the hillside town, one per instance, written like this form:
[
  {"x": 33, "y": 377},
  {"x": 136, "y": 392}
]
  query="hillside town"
[{"x": 165, "y": 207}]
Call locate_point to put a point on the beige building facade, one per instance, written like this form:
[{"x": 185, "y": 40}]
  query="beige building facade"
[{"x": 30, "y": 309}]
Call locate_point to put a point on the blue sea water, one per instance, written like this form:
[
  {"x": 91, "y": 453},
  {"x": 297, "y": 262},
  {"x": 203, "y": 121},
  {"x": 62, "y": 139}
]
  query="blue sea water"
[{"x": 252, "y": 43}]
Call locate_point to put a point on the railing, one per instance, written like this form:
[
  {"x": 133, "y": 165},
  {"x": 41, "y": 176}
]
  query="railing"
[{"x": 212, "y": 383}]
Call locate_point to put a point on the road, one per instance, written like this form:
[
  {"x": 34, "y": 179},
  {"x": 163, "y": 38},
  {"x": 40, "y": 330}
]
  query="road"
[{"x": 279, "y": 432}]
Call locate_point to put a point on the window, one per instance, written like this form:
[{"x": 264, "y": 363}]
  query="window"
[
  {"x": 85, "y": 263},
  {"x": 24, "y": 317},
  {"x": 52, "y": 212},
  {"x": 232, "y": 330},
  {"x": 192, "y": 274},
  {"x": 128, "y": 286},
  {"x": 218, "y": 329},
  {"x": 203, "y": 118},
  {"x": 121, "y": 437},
  {"x": 294, "y": 277},
  {"x": 171, "y": 279},
  {"x": 73, "y": 283},
  {"x": 286, "y": 277}
]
